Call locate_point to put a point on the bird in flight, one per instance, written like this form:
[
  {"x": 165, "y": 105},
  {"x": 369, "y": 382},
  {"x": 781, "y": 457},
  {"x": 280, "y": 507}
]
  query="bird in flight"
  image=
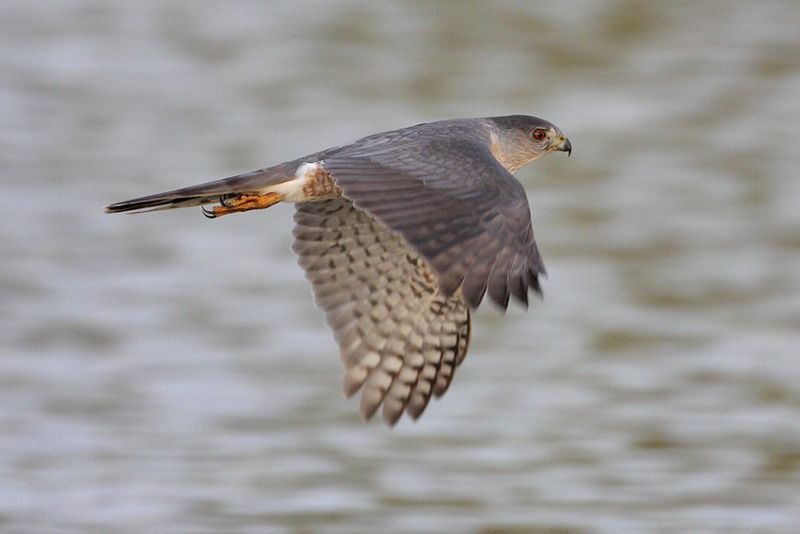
[{"x": 400, "y": 234}]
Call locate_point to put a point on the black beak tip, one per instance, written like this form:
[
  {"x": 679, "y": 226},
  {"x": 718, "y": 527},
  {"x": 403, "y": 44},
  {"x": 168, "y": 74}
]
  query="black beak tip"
[{"x": 567, "y": 147}]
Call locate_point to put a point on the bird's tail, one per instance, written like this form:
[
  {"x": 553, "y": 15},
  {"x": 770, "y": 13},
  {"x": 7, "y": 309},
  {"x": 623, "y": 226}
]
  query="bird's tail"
[{"x": 209, "y": 192}]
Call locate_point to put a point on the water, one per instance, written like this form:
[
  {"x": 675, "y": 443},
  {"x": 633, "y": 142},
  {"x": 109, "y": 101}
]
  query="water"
[{"x": 166, "y": 372}]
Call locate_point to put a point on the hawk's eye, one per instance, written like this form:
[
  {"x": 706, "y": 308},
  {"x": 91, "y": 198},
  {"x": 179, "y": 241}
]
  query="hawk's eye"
[{"x": 539, "y": 134}]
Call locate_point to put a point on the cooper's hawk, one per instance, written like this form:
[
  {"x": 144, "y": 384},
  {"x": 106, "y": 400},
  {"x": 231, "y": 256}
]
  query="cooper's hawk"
[{"x": 400, "y": 234}]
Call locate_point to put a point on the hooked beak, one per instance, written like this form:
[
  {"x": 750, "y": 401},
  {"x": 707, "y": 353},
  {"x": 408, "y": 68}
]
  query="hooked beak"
[{"x": 565, "y": 146}]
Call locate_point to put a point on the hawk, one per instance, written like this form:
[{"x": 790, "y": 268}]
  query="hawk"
[{"x": 400, "y": 234}]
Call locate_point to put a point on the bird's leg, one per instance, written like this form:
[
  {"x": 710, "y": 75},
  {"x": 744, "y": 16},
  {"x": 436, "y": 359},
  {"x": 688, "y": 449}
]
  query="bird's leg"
[
  {"x": 236, "y": 203},
  {"x": 224, "y": 200}
]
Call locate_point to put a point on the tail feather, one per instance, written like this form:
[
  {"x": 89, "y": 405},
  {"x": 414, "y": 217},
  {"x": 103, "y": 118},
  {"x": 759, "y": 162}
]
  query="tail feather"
[
  {"x": 160, "y": 201},
  {"x": 209, "y": 192}
]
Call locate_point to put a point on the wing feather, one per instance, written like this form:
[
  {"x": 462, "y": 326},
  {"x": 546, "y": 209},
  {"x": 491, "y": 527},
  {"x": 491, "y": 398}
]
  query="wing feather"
[
  {"x": 465, "y": 214},
  {"x": 400, "y": 339}
]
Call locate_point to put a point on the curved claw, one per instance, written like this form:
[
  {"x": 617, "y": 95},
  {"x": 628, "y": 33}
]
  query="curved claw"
[{"x": 235, "y": 203}]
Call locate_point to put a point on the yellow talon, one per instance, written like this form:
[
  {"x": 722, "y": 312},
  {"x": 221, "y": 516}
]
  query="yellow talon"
[{"x": 243, "y": 202}]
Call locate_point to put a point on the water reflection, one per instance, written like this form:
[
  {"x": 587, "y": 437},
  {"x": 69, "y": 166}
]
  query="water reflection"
[{"x": 169, "y": 372}]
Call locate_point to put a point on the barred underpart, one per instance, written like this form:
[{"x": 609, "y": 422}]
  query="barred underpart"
[{"x": 399, "y": 337}]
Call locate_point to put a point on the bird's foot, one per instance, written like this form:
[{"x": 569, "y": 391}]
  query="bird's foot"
[{"x": 244, "y": 202}]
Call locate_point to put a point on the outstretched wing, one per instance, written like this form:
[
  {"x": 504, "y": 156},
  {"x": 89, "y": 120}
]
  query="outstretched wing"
[
  {"x": 400, "y": 338},
  {"x": 456, "y": 205}
]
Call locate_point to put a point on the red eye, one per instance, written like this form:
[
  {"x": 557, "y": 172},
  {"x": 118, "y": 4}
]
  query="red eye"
[{"x": 539, "y": 134}]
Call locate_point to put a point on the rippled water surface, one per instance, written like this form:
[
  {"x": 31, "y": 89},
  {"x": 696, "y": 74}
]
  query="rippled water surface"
[{"x": 164, "y": 372}]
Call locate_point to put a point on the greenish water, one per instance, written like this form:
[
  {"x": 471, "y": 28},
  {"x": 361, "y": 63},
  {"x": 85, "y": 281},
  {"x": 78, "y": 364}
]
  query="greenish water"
[{"x": 164, "y": 372}]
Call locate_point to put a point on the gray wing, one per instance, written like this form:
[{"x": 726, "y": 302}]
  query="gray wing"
[
  {"x": 465, "y": 214},
  {"x": 400, "y": 338}
]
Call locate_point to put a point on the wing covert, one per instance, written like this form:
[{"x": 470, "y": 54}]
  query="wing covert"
[{"x": 456, "y": 205}]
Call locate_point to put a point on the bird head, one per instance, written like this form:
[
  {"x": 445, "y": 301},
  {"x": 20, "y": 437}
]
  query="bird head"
[{"x": 517, "y": 140}]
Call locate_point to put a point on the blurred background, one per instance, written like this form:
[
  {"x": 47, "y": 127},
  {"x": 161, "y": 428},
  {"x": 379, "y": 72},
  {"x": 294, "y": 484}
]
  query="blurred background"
[{"x": 165, "y": 372}]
